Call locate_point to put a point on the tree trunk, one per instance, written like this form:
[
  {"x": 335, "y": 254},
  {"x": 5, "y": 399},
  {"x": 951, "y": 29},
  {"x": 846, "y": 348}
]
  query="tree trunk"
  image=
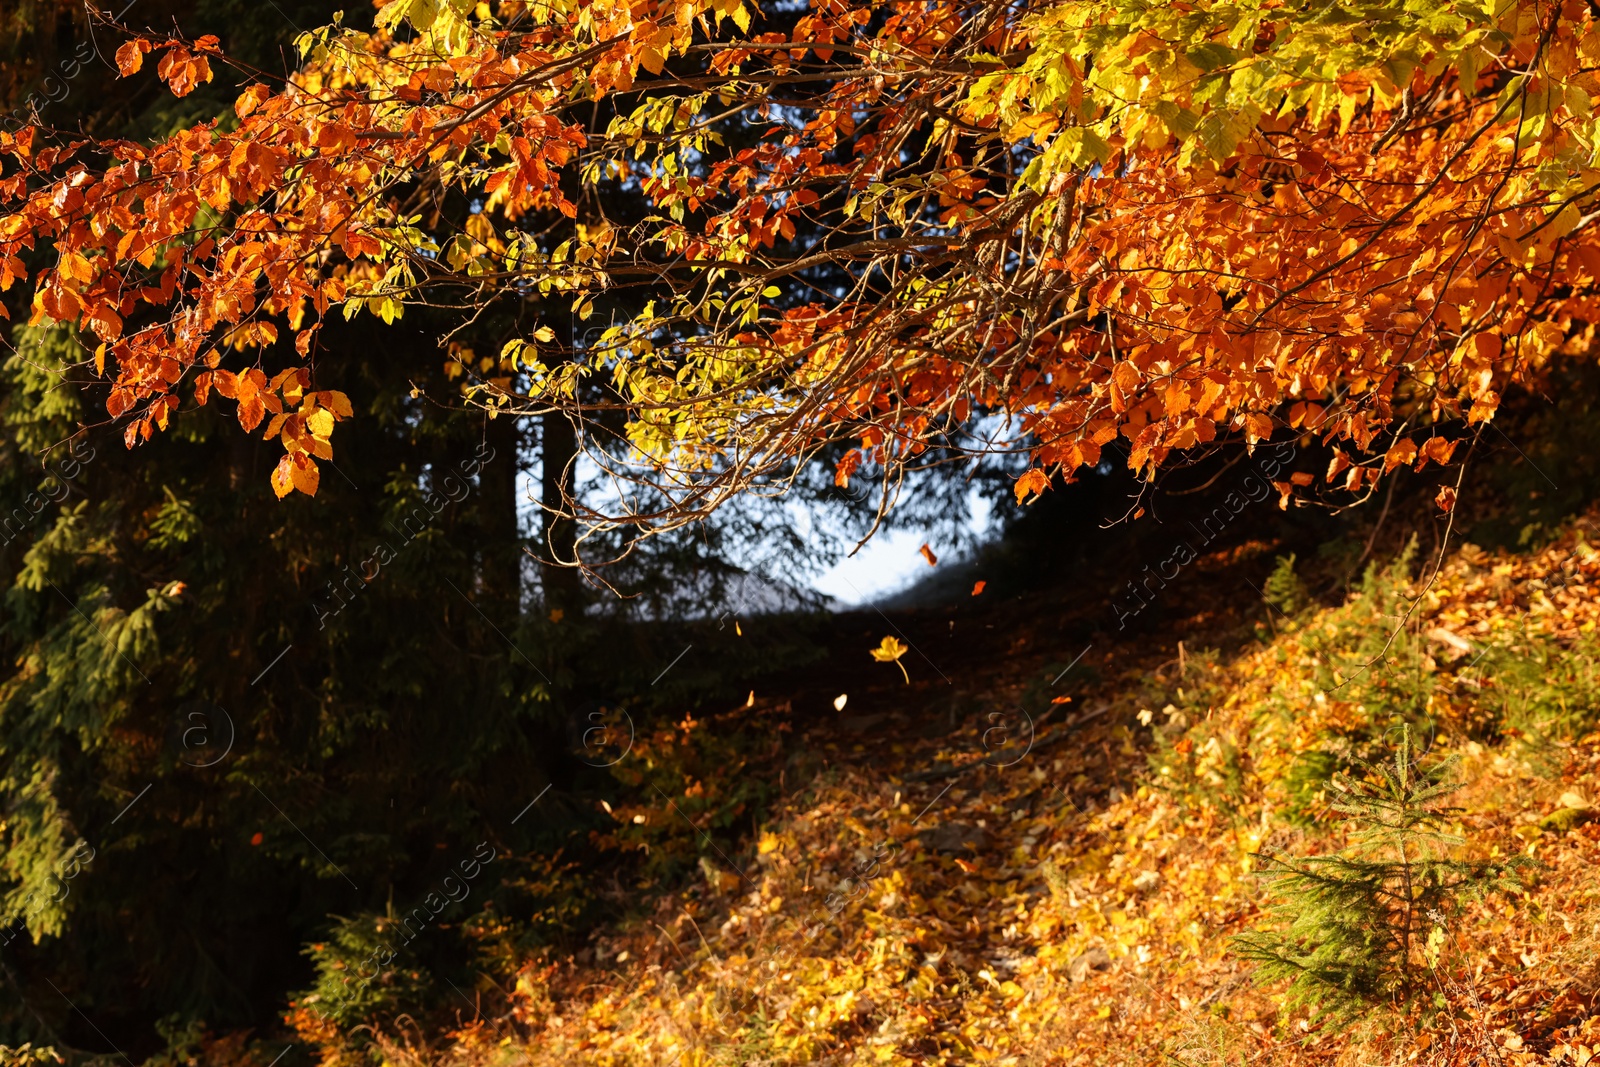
[
  {"x": 502, "y": 552},
  {"x": 563, "y": 589}
]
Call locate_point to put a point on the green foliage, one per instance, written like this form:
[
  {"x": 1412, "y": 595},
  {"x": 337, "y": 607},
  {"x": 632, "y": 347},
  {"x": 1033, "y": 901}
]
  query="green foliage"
[
  {"x": 550, "y": 896},
  {"x": 185, "y": 1041},
  {"x": 1217, "y": 73},
  {"x": 1365, "y": 656},
  {"x": 1539, "y": 691},
  {"x": 1306, "y": 783},
  {"x": 731, "y": 780},
  {"x": 1284, "y": 589},
  {"x": 160, "y": 594},
  {"x": 366, "y": 973},
  {"x": 42, "y": 409},
  {"x": 1361, "y": 928}
]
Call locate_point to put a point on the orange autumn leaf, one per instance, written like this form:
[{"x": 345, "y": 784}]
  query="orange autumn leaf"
[
  {"x": 1032, "y": 483},
  {"x": 305, "y": 475},
  {"x": 1170, "y": 272},
  {"x": 130, "y": 57}
]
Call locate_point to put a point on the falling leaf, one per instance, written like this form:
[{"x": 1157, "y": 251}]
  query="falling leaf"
[
  {"x": 890, "y": 651},
  {"x": 556, "y": 614},
  {"x": 1446, "y": 499},
  {"x": 927, "y": 554},
  {"x": 977, "y": 587},
  {"x": 751, "y": 702},
  {"x": 839, "y": 701},
  {"x": 257, "y": 837}
]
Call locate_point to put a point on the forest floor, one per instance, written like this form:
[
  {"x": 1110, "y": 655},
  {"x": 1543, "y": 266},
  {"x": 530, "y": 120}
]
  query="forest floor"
[{"x": 946, "y": 883}]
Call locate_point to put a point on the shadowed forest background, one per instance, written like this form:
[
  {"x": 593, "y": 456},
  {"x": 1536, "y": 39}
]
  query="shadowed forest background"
[{"x": 252, "y": 747}]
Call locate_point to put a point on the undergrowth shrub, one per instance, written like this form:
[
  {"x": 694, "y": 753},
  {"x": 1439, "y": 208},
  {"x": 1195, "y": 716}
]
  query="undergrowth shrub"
[
  {"x": 1361, "y": 928},
  {"x": 1191, "y": 757},
  {"x": 366, "y": 975},
  {"x": 1369, "y": 675},
  {"x": 1285, "y": 590},
  {"x": 731, "y": 776},
  {"x": 1537, "y": 691}
]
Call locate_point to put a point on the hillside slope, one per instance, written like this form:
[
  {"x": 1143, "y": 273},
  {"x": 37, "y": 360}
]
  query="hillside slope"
[{"x": 939, "y": 882}]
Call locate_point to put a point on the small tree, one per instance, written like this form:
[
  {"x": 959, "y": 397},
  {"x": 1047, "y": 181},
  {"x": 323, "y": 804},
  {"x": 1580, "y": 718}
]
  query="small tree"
[
  {"x": 1285, "y": 590},
  {"x": 1361, "y": 928}
]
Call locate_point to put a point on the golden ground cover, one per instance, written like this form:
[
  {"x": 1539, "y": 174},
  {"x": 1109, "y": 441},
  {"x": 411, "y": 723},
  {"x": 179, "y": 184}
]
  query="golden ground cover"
[{"x": 919, "y": 902}]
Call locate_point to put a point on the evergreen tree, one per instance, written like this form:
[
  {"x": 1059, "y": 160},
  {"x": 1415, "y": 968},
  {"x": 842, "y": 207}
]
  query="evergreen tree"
[
  {"x": 1361, "y": 928},
  {"x": 1285, "y": 590}
]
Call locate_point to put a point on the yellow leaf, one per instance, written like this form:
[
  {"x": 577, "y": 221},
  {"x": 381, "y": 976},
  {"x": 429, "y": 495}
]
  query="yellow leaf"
[
  {"x": 305, "y": 476},
  {"x": 889, "y": 651},
  {"x": 282, "y": 479},
  {"x": 1034, "y": 126}
]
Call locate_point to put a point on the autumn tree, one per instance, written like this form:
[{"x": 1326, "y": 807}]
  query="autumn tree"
[
  {"x": 1040, "y": 231},
  {"x": 182, "y": 653}
]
